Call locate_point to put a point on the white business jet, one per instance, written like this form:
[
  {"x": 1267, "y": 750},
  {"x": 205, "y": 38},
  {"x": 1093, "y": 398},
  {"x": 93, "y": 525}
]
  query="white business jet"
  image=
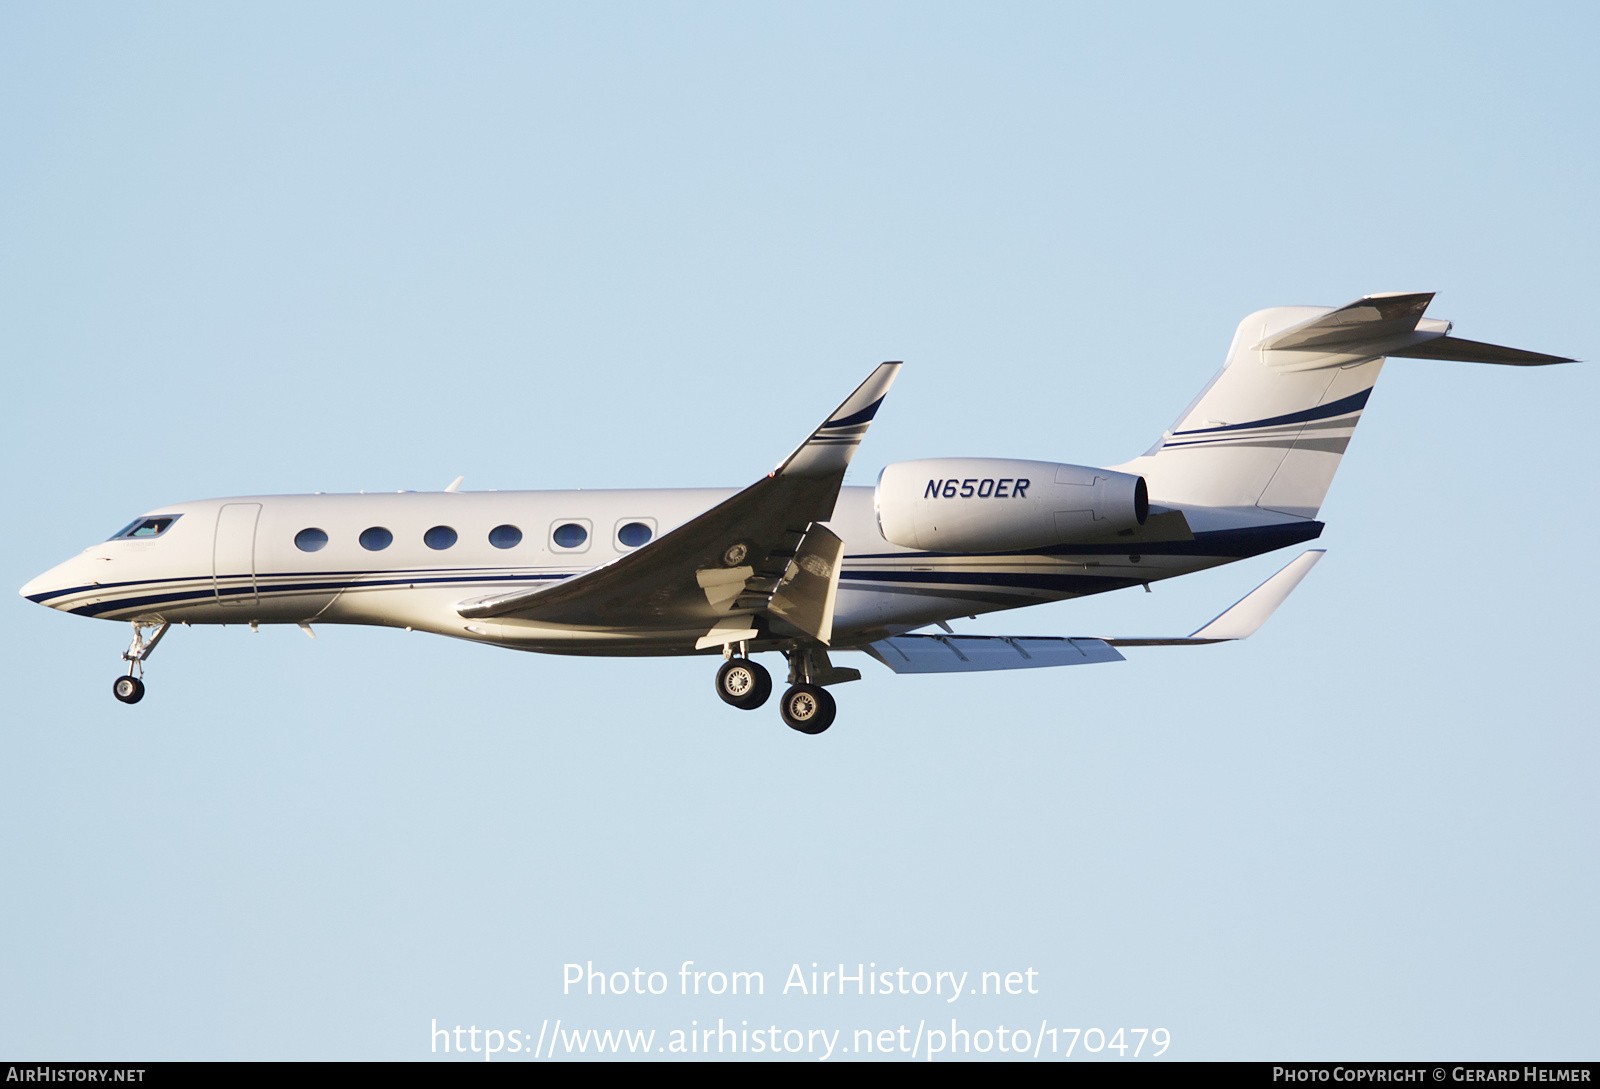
[{"x": 795, "y": 563}]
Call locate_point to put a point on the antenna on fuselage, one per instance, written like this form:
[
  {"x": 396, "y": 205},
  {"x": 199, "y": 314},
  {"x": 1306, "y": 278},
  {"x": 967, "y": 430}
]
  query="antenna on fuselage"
[{"x": 455, "y": 485}]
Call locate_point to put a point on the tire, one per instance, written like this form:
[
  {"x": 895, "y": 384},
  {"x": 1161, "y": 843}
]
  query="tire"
[
  {"x": 128, "y": 689},
  {"x": 808, "y": 708},
  {"x": 743, "y": 684}
]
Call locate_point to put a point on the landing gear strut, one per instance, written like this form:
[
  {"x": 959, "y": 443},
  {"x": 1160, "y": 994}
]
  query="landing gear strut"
[
  {"x": 130, "y": 689},
  {"x": 807, "y": 706}
]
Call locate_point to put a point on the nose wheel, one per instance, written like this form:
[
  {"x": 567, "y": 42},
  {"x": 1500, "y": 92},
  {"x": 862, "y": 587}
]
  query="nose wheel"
[{"x": 130, "y": 689}]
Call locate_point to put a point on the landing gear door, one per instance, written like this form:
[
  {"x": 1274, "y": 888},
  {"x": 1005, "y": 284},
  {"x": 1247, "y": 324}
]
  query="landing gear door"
[{"x": 233, "y": 555}]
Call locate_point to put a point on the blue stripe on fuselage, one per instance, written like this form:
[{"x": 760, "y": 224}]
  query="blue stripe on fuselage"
[
  {"x": 1231, "y": 543},
  {"x": 1238, "y": 544}
]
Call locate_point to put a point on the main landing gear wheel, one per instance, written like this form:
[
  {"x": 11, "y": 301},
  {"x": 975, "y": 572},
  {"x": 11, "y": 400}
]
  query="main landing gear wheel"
[
  {"x": 743, "y": 684},
  {"x": 808, "y": 708},
  {"x": 128, "y": 689}
]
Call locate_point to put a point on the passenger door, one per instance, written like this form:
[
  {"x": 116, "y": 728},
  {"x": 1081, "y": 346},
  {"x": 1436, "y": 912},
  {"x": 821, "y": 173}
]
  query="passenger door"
[{"x": 233, "y": 555}]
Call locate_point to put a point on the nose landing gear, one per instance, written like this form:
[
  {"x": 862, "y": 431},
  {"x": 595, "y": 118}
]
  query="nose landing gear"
[{"x": 130, "y": 689}]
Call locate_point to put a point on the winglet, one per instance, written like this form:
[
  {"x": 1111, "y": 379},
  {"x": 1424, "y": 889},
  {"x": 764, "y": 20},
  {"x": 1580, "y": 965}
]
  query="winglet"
[
  {"x": 831, "y": 445},
  {"x": 1252, "y": 611},
  {"x": 1248, "y": 614}
]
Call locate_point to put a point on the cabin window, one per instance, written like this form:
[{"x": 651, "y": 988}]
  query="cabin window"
[
  {"x": 311, "y": 540},
  {"x": 505, "y": 536},
  {"x": 634, "y": 534},
  {"x": 376, "y": 539},
  {"x": 569, "y": 535},
  {"x": 439, "y": 538},
  {"x": 142, "y": 529}
]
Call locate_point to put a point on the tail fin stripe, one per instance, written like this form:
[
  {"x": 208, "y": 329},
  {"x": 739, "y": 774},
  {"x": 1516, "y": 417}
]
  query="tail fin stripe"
[
  {"x": 1354, "y": 403},
  {"x": 1332, "y": 444},
  {"x": 1286, "y": 436}
]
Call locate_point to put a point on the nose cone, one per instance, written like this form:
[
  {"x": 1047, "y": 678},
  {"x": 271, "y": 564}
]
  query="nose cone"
[{"x": 49, "y": 587}]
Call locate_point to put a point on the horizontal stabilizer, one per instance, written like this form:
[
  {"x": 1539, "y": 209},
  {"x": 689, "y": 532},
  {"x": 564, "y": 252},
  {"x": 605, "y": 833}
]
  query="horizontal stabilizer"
[
  {"x": 1389, "y": 324},
  {"x": 1475, "y": 351},
  {"x": 981, "y": 653},
  {"x": 1251, "y": 611},
  {"x": 1370, "y": 318}
]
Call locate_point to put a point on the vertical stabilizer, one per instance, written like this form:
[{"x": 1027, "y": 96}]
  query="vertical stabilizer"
[
  {"x": 1269, "y": 430},
  {"x": 1262, "y": 435}
]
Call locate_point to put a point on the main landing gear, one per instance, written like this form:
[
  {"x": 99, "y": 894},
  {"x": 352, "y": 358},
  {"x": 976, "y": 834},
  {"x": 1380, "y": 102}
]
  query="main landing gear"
[
  {"x": 806, "y": 706},
  {"x": 130, "y": 689},
  {"x": 743, "y": 684}
]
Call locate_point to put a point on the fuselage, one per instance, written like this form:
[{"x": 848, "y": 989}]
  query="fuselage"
[
  {"x": 795, "y": 563},
  {"x": 410, "y": 559}
]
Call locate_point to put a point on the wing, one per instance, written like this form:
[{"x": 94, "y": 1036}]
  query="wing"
[
  {"x": 730, "y": 562},
  {"x": 976, "y": 653}
]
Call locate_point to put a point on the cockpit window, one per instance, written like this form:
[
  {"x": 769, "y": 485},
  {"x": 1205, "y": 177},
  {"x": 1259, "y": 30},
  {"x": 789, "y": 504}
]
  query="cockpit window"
[{"x": 141, "y": 529}]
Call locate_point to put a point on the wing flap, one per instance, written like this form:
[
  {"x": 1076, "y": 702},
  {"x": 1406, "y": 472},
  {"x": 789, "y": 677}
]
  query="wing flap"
[
  {"x": 983, "y": 653},
  {"x": 806, "y": 596}
]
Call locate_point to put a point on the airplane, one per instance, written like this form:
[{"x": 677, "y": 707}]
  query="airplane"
[{"x": 796, "y": 563}]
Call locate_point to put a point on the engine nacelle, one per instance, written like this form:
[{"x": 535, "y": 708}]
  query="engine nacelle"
[{"x": 997, "y": 505}]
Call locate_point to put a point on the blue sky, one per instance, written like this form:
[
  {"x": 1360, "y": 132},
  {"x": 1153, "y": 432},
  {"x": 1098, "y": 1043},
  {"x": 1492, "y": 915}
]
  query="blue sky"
[{"x": 289, "y": 248}]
